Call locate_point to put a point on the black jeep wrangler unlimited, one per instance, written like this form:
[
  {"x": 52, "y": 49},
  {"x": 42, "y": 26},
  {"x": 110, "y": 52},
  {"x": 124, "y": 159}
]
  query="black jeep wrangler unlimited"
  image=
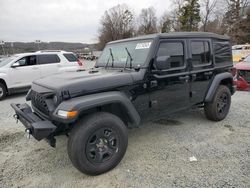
[{"x": 134, "y": 80}]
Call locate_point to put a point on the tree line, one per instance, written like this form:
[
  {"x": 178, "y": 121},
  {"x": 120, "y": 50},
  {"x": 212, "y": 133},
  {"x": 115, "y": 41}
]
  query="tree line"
[{"x": 226, "y": 17}]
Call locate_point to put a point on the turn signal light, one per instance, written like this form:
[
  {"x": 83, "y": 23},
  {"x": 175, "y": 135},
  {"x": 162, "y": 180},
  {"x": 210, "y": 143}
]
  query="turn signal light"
[
  {"x": 67, "y": 114},
  {"x": 79, "y": 63}
]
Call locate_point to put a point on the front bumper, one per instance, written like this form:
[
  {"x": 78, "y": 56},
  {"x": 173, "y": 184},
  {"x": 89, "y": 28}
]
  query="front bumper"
[{"x": 38, "y": 127}]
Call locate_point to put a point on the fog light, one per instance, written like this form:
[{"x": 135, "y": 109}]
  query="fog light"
[{"x": 67, "y": 114}]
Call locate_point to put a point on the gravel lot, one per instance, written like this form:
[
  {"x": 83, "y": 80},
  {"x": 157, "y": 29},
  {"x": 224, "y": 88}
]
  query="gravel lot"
[{"x": 157, "y": 156}]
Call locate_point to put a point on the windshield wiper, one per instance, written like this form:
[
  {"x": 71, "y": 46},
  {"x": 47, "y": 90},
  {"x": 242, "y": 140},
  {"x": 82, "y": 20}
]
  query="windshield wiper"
[
  {"x": 130, "y": 59},
  {"x": 112, "y": 58}
]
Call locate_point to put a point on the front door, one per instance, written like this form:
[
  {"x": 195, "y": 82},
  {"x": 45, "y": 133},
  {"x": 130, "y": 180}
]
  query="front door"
[
  {"x": 170, "y": 89},
  {"x": 25, "y": 73}
]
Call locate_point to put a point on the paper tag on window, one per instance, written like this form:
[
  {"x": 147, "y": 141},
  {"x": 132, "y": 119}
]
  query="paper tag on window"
[{"x": 143, "y": 45}]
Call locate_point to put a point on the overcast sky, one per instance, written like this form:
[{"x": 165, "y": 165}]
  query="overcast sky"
[{"x": 61, "y": 20}]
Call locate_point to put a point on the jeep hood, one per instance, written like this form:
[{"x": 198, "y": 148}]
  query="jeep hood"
[{"x": 83, "y": 82}]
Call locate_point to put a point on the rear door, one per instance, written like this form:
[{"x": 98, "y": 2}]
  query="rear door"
[
  {"x": 23, "y": 75},
  {"x": 201, "y": 68},
  {"x": 170, "y": 89},
  {"x": 49, "y": 64}
]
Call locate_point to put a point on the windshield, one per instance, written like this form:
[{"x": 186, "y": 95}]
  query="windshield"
[
  {"x": 247, "y": 59},
  {"x": 6, "y": 60},
  {"x": 137, "y": 49}
]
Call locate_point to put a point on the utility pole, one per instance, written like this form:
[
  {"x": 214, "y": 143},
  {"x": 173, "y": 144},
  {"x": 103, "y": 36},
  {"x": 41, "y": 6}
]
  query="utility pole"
[
  {"x": 12, "y": 46},
  {"x": 38, "y": 42},
  {"x": 2, "y": 43}
]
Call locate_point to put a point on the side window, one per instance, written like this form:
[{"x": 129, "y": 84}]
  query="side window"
[
  {"x": 32, "y": 60},
  {"x": 70, "y": 57},
  {"x": 22, "y": 62},
  {"x": 175, "y": 51},
  {"x": 200, "y": 53},
  {"x": 27, "y": 61},
  {"x": 48, "y": 59},
  {"x": 222, "y": 52}
]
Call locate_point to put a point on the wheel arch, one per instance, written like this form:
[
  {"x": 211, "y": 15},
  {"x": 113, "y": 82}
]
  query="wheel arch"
[
  {"x": 120, "y": 110},
  {"x": 4, "y": 83},
  {"x": 114, "y": 102},
  {"x": 229, "y": 83},
  {"x": 220, "y": 79}
]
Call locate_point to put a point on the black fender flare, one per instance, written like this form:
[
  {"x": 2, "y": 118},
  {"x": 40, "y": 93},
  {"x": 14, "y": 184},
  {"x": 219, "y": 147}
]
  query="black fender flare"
[
  {"x": 215, "y": 84},
  {"x": 86, "y": 102}
]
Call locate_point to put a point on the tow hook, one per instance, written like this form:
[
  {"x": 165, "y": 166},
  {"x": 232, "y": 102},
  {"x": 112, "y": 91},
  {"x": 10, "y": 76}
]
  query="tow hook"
[
  {"x": 52, "y": 141},
  {"x": 28, "y": 132},
  {"x": 16, "y": 117}
]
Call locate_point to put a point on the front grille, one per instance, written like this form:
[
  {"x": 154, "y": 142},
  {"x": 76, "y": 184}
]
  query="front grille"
[{"x": 38, "y": 101}]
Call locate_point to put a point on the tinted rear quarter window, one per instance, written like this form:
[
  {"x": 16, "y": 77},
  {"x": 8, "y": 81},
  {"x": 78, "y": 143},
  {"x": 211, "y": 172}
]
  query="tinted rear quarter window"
[
  {"x": 70, "y": 57},
  {"x": 48, "y": 59},
  {"x": 222, "y": 52}
]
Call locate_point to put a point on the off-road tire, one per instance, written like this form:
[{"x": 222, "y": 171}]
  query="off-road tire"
[
  {"x": 81, "y": 138},
  {"x": 218, "y": 108},
  {"x": 3, "y": 91}
]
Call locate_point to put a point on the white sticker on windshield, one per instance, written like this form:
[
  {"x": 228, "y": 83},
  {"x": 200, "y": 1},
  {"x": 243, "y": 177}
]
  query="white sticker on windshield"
[{"x": 143, "y": 45}]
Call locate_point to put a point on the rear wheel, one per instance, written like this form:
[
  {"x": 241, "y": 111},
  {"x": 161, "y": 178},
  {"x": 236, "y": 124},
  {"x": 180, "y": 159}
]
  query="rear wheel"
[
  {"x": 97, "y": 143},
  {"x": 3, "y": 91},
  {"x": 219, "y": 107}
]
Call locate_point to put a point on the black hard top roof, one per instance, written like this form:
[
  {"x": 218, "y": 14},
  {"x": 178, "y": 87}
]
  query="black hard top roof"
[{"x": 176, "y": 35}]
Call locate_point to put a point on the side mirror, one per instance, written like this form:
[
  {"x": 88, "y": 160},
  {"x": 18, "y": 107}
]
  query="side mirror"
[
  {"x": 16, "y": 64},
  {"x": 162, "y": 62}
]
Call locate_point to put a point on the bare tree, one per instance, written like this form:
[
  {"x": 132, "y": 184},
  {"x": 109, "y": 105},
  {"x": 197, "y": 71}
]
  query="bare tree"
[
  {"x": 208, "y": 7},
  {"x": 215, "y": 21},
  {"x": 147, "y": 21},
  {"x": 233, "y": 18},
  {"x": 116, "y": 23}
]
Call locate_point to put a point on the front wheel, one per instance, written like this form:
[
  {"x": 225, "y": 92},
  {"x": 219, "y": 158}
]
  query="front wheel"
[
  {"x": 218, "y": 108},
  {"x": 97, "y": 143}
]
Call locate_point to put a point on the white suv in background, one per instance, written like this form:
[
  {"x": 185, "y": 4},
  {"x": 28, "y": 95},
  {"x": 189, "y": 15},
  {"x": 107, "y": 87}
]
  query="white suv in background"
[{"x": 18, "y": 71}]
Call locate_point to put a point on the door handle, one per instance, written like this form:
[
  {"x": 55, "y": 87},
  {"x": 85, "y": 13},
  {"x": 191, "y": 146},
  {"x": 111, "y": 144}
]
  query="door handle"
[
  {"x": 34, "y": 68},
  {"x": 208, "y": 73},
  {"x": 186, "y": 78}
]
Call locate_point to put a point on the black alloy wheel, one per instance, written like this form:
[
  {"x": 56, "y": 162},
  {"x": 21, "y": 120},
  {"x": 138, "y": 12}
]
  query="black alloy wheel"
[
  {"x": 102, "y": 145},
  {"x": 97, "y": 143},
  {"x": 218, "y": 108}
]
